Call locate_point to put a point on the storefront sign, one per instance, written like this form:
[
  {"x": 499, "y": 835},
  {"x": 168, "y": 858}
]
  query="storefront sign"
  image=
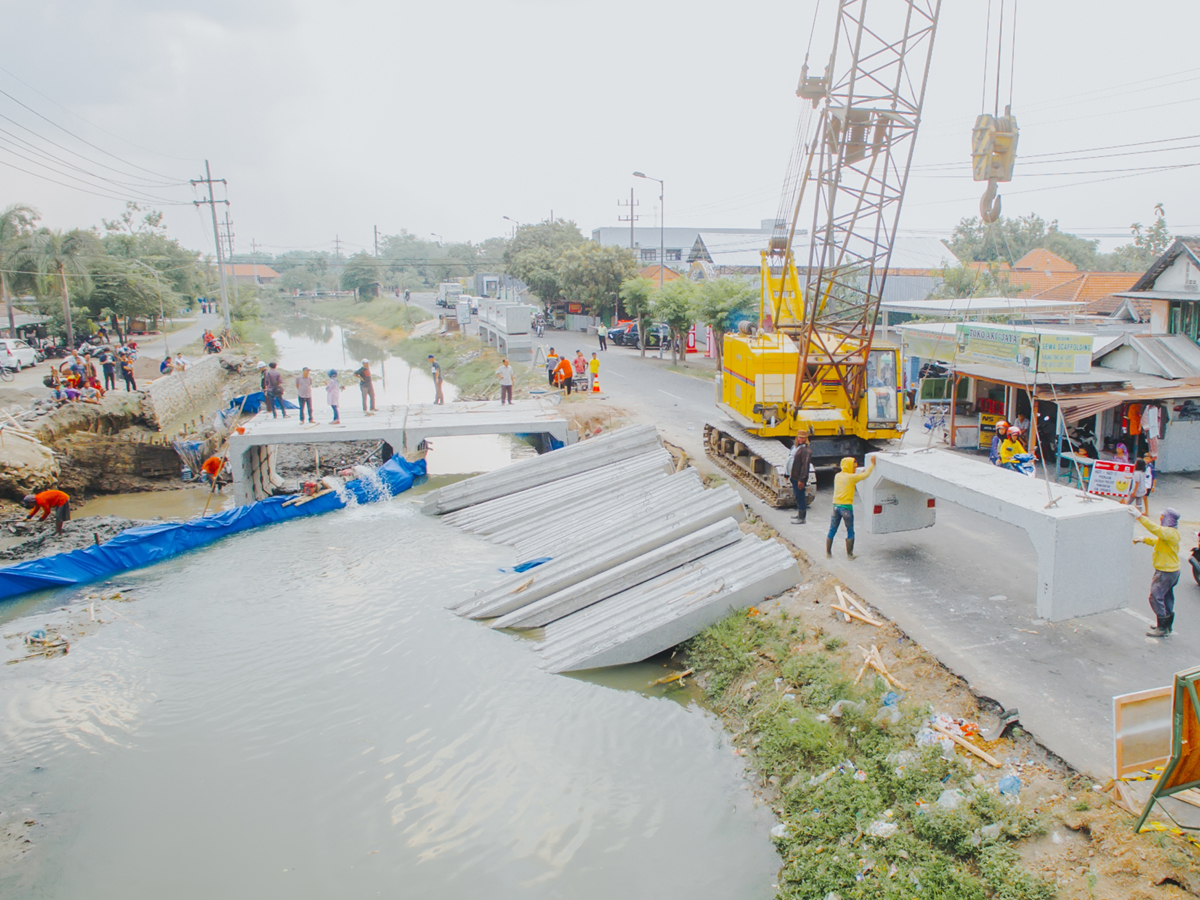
[
  {"x": 1111, "y": 479},
  {"x": 575, "y": 309},
  {"x": 1016, "y": 348},
  {"x": 987, "y": 430}
]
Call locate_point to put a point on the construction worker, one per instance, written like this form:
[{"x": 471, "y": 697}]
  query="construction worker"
[
  {"x": 551, "y": 365},
  {"x": 1165, "y": 541},
  {"x": 1011, "y": 448},
  {"x": 564, "y": 375},
  {"x": 61, "y": 504},
  {"x": 798, "y": 465},
  {"x": 997, "y": 439},
  {"x": 843, "y": 503},
  {"x": 211, "y": 468}
]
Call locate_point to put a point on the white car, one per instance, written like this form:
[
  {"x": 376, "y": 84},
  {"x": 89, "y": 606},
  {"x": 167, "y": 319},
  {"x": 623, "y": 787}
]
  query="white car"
[{"x": 16, "y": 354}]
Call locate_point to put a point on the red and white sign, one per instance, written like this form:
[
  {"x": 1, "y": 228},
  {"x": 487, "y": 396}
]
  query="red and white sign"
[
  {"x": 1111, "y": 479},
  {"x": 691, "y": 340},
  {"x": 710, "y": 350}
]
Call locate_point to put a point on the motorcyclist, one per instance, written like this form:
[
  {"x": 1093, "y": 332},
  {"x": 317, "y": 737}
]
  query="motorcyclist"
[
  {"x": 997, "y": 440},
  {"x": 1011, "y": 448}
]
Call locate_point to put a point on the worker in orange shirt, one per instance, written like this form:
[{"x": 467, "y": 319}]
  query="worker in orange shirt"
[
  {"x": 212, "y": 468},
  {"x": 47, "y": 501},
  {"x": 564, "y": 375}
]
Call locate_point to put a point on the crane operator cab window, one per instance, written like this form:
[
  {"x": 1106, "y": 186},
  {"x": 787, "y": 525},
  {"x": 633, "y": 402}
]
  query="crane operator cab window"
[{"x": 882, "y": 406}]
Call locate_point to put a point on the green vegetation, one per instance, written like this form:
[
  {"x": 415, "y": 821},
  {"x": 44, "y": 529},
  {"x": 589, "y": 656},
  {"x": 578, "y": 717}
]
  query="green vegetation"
[
  {"x": 467, "y": 364},
  {"x": 1009, "y": 239},
  {"x": 859, "y": 800}
]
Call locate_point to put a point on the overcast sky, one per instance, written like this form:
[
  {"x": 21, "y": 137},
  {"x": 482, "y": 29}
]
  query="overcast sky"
[{"x": 329, "y": 118}]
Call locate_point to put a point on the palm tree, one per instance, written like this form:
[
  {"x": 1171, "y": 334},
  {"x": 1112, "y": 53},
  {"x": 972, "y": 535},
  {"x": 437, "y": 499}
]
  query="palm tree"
[
  {"x": 58, "y": 254},
  {"x": 15, "y": 222}
]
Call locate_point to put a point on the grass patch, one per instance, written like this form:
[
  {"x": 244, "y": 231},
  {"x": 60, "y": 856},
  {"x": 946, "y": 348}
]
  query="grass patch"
[
  {"x": 859, "y": 799},
  {"x": 467, "y": 364},
  {"x": 254, "y": 334}
]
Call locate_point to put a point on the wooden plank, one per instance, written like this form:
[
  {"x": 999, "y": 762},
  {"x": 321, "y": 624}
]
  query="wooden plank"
[
  {"x": 967, "y": 745},
  {"x": 848, "y": 612},
  {"x": 1142, "y": 725}
]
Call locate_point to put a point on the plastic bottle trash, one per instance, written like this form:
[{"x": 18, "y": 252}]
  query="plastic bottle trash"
[
  {"x": 38, "y": 634},
  {"x": 950, "y": 798},
  {"x": 837, "y": 710},
  {"x": 1009, "y": 785},
  {"x": 891, "y": 698},
  {"x": 780, "y": 830},
  {"x": 888, "y": 715}
]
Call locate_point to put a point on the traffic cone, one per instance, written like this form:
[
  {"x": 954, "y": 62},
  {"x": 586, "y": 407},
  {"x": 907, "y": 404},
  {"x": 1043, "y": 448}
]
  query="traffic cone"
[{"x": 596, "y": 384}]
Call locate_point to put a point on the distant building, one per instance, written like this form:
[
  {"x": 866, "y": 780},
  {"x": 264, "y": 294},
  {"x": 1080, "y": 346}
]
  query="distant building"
[
  {"x": 251, "y": 273},
  {"x": 1043, "y": 275},
  {"x": 1171, "y": 290},
  {"x": 677, "y": 242},
  {"x": 652, "y": 273}
]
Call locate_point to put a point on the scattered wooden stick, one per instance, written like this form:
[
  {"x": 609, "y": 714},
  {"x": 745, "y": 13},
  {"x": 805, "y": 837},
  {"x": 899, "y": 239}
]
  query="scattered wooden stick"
[
  {"x": 123, "y": 616},
  {"x": 967, "y": 745},
  {"x": 875, "y": 661},
  {"x": 848, "y": 612},
  {"x": 675, "y": 676},
  {"x": 848, "y": 599}
]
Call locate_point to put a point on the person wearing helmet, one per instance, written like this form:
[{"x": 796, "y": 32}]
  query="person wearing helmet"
[
  {"x": 1011, "y": 447},
  {"x": 1165, "y": 541},
  {"x": 366, "y": 384},
  {"x": 333, "y": 394},
  {"x": 997, "y": 439},
  {"x": 843, "y": 503}
]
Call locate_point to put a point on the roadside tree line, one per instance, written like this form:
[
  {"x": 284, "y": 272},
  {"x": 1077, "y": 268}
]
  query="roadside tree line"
[{"x": 131, "y": 270}]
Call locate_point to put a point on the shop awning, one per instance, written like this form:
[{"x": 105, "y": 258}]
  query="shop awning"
[
  {"x": 1079, "y": 406},
  {"x": 1098, "y": 379}
]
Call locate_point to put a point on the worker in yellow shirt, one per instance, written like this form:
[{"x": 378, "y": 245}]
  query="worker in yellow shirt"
[
  {"x": 843, "y": 502},
  {"x": 593, "y": 371},
  {"x": 1165, "y": 541}
]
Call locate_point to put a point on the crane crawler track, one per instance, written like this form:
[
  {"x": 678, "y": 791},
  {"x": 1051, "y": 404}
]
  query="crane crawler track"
[{"x": 757, "y": 463}]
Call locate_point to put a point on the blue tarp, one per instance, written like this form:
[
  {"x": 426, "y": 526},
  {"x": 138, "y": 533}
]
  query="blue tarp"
[
  {"x": 251, "y": 403},
  {"x": 149, "y": 544}
]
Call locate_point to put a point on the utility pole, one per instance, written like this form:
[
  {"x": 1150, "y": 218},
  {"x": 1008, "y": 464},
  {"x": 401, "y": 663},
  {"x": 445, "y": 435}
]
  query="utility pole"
[
  {"x": 631, "y": 218},
  {"x": 212, "y": 205},
  {"x": 228, "y": 235},
  {"x": 337, "y": 246},
  {"x": 254, "y": 258}
]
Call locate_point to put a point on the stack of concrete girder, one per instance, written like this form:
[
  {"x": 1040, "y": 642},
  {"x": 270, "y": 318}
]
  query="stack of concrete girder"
[{"x": 650, "y": 560}]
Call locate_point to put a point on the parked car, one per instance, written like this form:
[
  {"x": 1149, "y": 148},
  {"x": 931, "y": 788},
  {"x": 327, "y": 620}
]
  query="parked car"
[
  {"x": 616, "y": 334},
  {"x": 656, "y": 335},
  {"x": 16, "y": 354}
]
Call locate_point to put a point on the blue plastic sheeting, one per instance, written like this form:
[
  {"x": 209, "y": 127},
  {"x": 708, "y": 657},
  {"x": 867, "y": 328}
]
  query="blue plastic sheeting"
[
  {"x": 252, "y": 403},
  {"x": 149, "y": 544}
]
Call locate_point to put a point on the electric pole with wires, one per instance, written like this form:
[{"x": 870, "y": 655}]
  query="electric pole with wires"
[{"x": 212, "y": 202}]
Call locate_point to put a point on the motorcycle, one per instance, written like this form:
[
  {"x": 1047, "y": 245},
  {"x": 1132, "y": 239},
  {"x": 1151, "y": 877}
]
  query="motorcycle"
[
  {"x": 1022, "y": 463},
  {"x": 1194, "y": 559}
]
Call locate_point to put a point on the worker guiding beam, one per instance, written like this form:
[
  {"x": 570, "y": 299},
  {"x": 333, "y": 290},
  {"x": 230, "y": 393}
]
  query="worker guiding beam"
[
  {"x": 1165, "y": 541},
  {"x": 843, "y": 503}
]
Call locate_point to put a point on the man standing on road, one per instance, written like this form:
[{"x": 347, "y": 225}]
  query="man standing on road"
[
  {"x": 505, "y": 374},
  {"x": 551, "y": 365},
  {"x": 1165, "y": 542},
  {"x": 602, "y": 334},
  {"x": 273, "y": 389},
  {"x": 50, "y": 500},
  {"x": 798, "y": 464},
  {"x": 843, "y": 503},
  {"x": 435, "y": 372},
  {"x": 304, "y": 394},
  {"x": 109, "y": 365},
  {"x": 366, "y": 384}
]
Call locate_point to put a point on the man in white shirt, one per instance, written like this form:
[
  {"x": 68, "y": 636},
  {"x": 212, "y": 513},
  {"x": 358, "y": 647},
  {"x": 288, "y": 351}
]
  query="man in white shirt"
[{"x": 505, "y": 374}]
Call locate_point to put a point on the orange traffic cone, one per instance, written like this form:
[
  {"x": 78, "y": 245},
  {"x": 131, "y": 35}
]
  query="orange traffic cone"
[{"x": 596, "y": 384}]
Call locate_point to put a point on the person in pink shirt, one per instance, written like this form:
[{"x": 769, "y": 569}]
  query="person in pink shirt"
[{"x": 580, "y": 363}]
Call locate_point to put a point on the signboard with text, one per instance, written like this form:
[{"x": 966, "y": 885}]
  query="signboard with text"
[
  {"x": 1024, "y": 349},
  {"x": 1111, "y": 479}
]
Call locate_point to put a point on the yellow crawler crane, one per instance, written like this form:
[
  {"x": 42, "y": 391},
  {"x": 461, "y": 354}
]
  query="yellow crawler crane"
[{"x": 813, "y": 366}]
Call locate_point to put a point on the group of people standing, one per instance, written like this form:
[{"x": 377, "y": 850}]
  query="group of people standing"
[{"x": 562, "y": 372}]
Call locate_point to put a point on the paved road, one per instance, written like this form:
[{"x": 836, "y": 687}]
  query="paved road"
[{"x": 965, "y": 589}]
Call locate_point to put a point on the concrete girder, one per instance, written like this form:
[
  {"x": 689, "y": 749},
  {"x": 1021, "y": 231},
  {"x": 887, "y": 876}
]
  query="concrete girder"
[{"x": 1082, "y": 541}]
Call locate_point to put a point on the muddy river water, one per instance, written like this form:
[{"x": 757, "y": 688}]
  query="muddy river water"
[{"x": 295, "y": 714}]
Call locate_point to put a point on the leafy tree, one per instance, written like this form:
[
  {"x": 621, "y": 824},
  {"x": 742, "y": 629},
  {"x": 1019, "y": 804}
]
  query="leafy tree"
[
  {"x": 16, "y": 221},
  {"x": 532, "y": 255},
  {"x": 1009, "y": 239},
  {"x": 1148, "y": 245},
  {"x": 136, "y": 220},
  {"x": 360, "y": 272},
  {"x": 636, "y": 292},
  {"x": 592, "y": 274},
  {"x": 723, "y": 303},
  {"x": 57, "y": 254},
  {"x": 965, "y": 280},
  {"x": 121, "y": 292},
  {"x": 675, "y": 305}
]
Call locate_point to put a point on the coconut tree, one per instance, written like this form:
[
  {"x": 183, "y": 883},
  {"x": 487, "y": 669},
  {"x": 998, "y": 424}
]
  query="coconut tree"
[
  {"x": 57, "y": 254},
  {"x": 15, "y": 223}
]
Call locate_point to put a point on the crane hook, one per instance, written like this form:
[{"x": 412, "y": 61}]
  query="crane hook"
[{"x": 989, "y": 204}]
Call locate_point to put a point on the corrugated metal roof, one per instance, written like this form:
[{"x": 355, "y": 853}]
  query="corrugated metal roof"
[
  {"x": 979, "y": 306},
  {"x": 917, "y": 252},
  {"x": 1174, "y": 356}
]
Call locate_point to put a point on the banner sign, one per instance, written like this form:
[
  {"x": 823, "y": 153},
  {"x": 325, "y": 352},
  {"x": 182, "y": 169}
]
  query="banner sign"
[
  {"x": 1111, "y": 479},
  {"x": 1018, "y": 348}
]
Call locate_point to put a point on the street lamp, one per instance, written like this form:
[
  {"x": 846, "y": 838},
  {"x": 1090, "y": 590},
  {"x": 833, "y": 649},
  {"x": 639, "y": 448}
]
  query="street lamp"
[
  {"x": 162, "y": 317},
  {"x": 438, "y": 236},
  {"x": 516, "y": 224},
  {"x": 662, "y": 220}
]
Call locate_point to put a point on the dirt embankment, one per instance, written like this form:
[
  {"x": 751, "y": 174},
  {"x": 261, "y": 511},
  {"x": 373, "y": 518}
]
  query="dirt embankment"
[
  {"x": 35, "y": 538},
  {"x": 873, "y": 801}
]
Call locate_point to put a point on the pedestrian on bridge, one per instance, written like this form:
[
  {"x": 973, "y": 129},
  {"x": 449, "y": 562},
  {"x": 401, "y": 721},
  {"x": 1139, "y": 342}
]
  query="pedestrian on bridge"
[
  {"x": 304, "y": 394},
  {"x": 366, "y": 385},
  {"x": 273, "y": 389},
  {"x": 1165, "y": 541},
  {"x": 505, "y": 374},
  {"x": 843, "y": 503},
  {"x": 333, "y": 395},
  {"x": 799, "y": 462}
]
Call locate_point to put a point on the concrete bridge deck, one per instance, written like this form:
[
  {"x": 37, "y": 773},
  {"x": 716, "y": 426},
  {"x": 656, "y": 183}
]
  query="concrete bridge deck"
[{"x": 403, "y": 427}]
